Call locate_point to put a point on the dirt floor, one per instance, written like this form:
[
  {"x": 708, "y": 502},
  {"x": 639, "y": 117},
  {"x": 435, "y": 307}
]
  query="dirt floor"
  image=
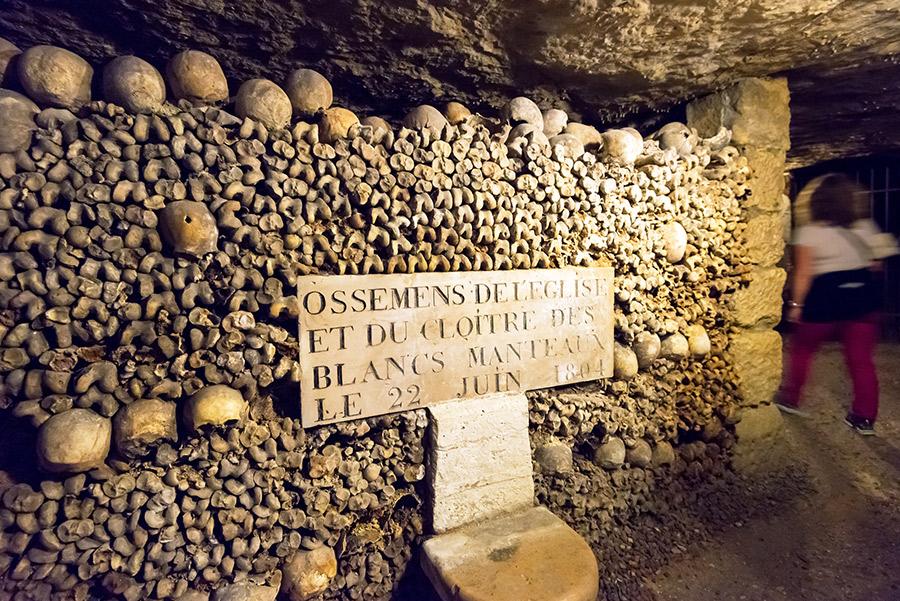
[{"x": 841, "y": 541}]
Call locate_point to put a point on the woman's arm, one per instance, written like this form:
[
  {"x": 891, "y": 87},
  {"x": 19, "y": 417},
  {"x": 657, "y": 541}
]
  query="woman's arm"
[{"x": 801, "y": 281}]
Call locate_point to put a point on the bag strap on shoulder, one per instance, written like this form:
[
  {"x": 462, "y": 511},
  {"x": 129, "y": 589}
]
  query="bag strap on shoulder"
[{"x": 864, "y": 250}]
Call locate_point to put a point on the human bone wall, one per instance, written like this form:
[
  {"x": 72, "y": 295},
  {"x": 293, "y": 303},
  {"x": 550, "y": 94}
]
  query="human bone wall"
[{"x": 166, "y": 332}]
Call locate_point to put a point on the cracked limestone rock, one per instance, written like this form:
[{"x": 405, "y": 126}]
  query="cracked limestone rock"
[
  {"x": 760, "y": 302},
  {"x": 757, "y": 360},
  {"x": 763, "y": 240},
  {"x": 755, "y": 110}
]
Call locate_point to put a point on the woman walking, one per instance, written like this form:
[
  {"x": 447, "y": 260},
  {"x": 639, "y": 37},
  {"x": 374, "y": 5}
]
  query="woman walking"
[{"x": 836, "y": 292}]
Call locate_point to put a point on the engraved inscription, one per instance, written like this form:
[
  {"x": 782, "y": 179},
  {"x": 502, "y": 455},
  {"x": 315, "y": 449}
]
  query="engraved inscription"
[{"x": 376, "y": 344}]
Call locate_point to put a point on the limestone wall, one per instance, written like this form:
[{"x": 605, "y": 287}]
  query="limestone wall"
[
  {"x": 757, "y": 112},
  {"x": 147, "y": 276}
]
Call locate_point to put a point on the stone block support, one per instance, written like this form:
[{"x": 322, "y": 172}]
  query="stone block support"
[
  {"x": 479, "y": 460},
  {"x": 759, "y": 304},
  {"x": 757, "y": 112},
  {"x": 756, "y": 360},
  {"x": 529, "y": 555},
  {"x": 492, "y": 544}
]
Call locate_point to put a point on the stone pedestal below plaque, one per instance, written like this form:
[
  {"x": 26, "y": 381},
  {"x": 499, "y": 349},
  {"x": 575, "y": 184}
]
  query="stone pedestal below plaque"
[
  {"x": 531, "y": 555},
  {"x": 479, "y": 460},
  {"x": 492, "y": 543}
]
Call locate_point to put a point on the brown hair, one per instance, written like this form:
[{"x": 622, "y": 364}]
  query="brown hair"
[{"x": 838, "y": 200}]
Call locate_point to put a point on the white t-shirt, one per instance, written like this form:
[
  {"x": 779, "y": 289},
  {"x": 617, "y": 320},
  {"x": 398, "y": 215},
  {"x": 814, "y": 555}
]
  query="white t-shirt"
[{"x": 834, "y": 250}]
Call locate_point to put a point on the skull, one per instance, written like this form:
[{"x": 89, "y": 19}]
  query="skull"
[
  {"x": 215, "y": 406},
  {"x": 523, "y": 110},
  {"x": 76, "y": 440},
  {"x": 309, "y": 92},
  {"x": 676, "y": 136},
  {"x": 555, "y": 122},
  {"x": 197, "y": 77},
  {"x": 189, "y": 228},
  {"x": 425, "y": 117},
  {"x": 456, "y": 113},
  {"x": 142, "y": 423},
  {"x": 336, "y": 123}
]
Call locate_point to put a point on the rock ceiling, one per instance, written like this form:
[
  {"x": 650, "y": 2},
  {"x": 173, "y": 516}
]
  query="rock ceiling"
[{"x": 608, "y": 60}]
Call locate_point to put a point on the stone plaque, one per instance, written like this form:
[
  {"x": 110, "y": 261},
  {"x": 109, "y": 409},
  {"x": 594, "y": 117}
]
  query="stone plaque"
[{"x": 376, "y": 344}]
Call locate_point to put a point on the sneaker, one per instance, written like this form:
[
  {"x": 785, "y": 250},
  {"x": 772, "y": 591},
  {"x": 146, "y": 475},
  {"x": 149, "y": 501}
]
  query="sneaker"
[
  {"x": 863, "y": 426},
  {"x": 792, "y": 409}
]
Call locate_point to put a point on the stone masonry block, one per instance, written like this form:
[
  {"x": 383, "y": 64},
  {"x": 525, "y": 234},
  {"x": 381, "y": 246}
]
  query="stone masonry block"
[
  {"x": 759, "y": 304},
  {"x": 758, "y": 436},
  {"x": 767, "y": 177},
  {"x": 530, "y": 555},
  {"x": 756, "y": 110},
  {"x": 464, "y": 468},
  {"x": 463, "y": 423},
  {"x": 756, "y": 359},
  {"x": 452, "y": 511},
  {"x": 479, "y": 460},
  {"x": 763, "y": 239},
  {"x": 759, "y": 423}
]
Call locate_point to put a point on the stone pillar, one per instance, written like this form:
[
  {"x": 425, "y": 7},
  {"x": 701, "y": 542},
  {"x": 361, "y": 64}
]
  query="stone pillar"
[{"x": 758, "y": 114}]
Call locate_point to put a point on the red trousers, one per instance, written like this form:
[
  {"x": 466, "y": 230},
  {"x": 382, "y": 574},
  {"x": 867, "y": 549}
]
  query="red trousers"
[{"x": 858, "y": 339}]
